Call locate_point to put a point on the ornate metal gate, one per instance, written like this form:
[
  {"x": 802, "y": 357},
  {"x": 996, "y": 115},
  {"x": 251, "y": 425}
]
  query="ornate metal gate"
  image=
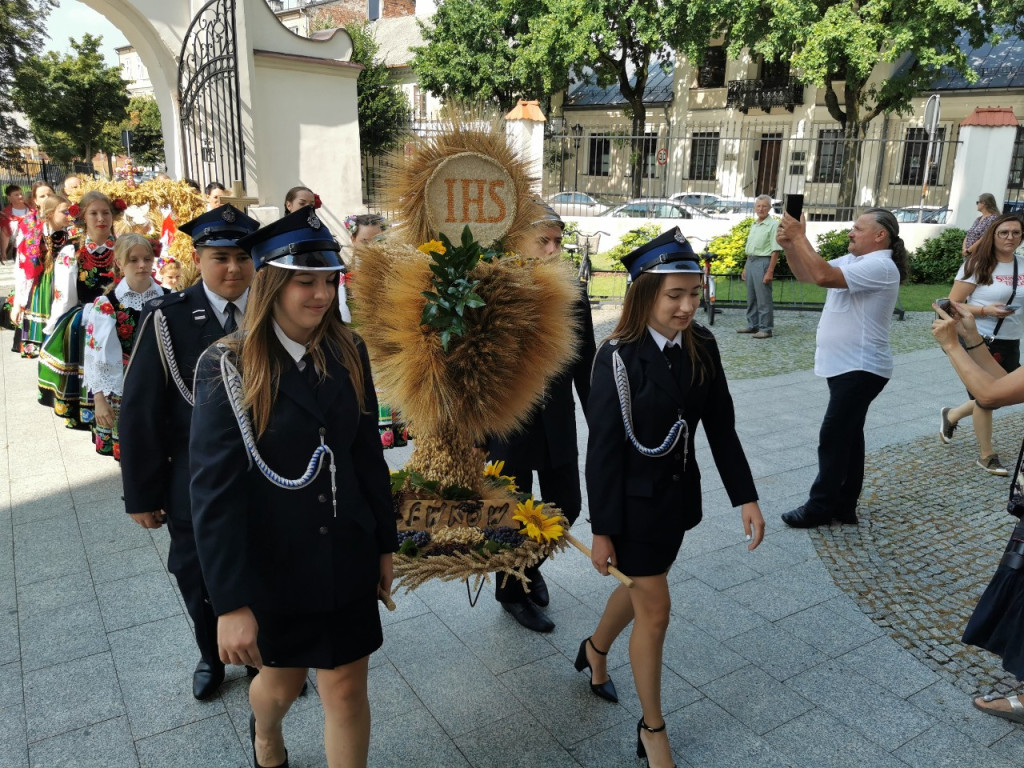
[{"x": 208, "y": 97}]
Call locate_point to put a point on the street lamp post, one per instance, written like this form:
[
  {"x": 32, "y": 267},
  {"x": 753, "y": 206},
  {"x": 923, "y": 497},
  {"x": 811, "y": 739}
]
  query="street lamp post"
[{"x": 577, "y": 136}]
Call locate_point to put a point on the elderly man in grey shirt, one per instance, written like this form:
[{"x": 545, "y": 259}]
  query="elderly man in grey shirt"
[{"x": 762, "y": 254}]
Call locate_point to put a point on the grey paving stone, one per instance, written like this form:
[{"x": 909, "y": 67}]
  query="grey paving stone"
[
  {"x": 782, "y": 594},
  {"x": 62, "y": 634},
  {"x": 948, "y": 704},
  {"x": 47, "y": 549},
  {"x": 882, "y": 717},
  {"x": 154, "y": 663},
  {"x": 131, "y": 562},
  {"x": 107, "y": 744},
  {"x": 756, "y": 699},
  {"x": 137, "y": 600},
  {"x": 1010, "y": 746},
  {"x": 714, "y": 612},
  {"x": 676, "y": 693},
  {"x": 696, "y": 656},
  {"x": 107, "y": 535},
  {"x": 614, "y": 747},
  {"x": 13, "y": 743},
  {"x": 495, "y": 643},
  {"x": 414, "y": 738},
  {"x": 940, "y": 747},
  {"x": 390, "y": 695},
  {"x": 209, "y": 742},
  {"x": 10, "y": 642},
  {"x": 891, "y": 666},
  {"x": 709, "y": 736},
  {"x": 721, "y": 569},
  {"x": 826, "y": 630},
  {"x": 407, "y": 605},
  {"x": 819, "y": 739},
  {"x": 71, "y": 695},
  {"x": 11, "y": 693},
  {"x": 29, "y": 511},
  {"x": 520, "y": 743},
  {"x": 44, "y": 596},
  {"x": 570, "y": 710},
  {"x": 775, "y": 651},
  {"x": 451, "y": 682}
]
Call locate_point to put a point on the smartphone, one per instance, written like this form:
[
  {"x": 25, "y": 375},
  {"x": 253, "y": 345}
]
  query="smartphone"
[
  {"x": 794, "y": 205},
  {"x": 1012, "y": 307},
  {"x": 946, "y": 306}
]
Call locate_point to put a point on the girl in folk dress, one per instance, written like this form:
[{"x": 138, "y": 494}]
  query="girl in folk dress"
[
  {"x": 110, "y": 324},
  {"x": 35, "y": 288},
  {"x": 82, "y": 271},
  {"x": 28, "y": 236}
]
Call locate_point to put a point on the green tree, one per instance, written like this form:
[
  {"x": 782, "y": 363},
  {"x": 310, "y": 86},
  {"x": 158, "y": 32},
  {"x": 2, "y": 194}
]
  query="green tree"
[
  {"x": 619, "y": 41},
  {"x": 472, "y": 53},
  {"x": 21, "y": 37},
  {"x": 843, "y": 43},
  {"x": 147, "y": 132},
  {"x": 70, "y": 99}
]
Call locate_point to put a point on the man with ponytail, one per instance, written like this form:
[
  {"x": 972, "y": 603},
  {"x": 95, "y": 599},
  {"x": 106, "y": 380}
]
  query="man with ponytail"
[
  {"x": 853, "y": 352},
  {"x": 156, "y": 409}
]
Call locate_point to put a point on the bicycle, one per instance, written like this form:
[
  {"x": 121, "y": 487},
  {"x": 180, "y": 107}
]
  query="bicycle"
[
  {"x": 707, "y": 283},
  {"x": 585, "y": 245}
]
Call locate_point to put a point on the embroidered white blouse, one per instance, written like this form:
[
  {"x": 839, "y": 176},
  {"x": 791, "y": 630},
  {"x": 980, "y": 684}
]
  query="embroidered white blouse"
[{"x": 104, "y": 360}]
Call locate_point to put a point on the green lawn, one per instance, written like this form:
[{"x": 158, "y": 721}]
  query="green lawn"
[{"x": 913, "y": 297}]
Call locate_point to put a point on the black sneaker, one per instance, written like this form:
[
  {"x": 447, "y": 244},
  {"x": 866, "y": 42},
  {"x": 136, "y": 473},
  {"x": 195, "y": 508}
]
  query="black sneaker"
[
  {"x": 993, "y": 465},
  {"x": 946, "y": 427}
]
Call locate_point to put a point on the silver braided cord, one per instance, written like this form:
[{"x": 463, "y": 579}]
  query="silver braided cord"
[
  {"x": 166, "y": 347},
  {"x": 679, "y": 429},
  {"x": 233, "y": 387}
]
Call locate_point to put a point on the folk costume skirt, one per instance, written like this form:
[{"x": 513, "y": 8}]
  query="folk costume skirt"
[
  {"x": 37, "y": 315},
  {"x": 61, "y": 371}
]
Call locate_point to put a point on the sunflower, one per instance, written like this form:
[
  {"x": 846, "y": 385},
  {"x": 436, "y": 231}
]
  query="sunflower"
[
  {"x": 434, "y": 246},
  {"x": 536, "y": 524},
  {"x": 494, "y": 478}
]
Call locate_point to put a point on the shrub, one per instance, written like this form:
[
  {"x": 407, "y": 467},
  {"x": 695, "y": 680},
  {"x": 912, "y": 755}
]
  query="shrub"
[
  {"x": 630, "y": 241},
  {"x": 833, "y": 244},
  {"x": 938, "y": 258},
  {"x": 569, "y": 235},
  {"x": 730, "y": 250}
]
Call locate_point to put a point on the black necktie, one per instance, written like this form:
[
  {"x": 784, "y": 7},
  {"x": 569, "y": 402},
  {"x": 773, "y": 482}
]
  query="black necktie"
[
  {"x": 674, "y": 354},
  {"x": 309, "y": 371},
  {"x": 230, "y": 326}
]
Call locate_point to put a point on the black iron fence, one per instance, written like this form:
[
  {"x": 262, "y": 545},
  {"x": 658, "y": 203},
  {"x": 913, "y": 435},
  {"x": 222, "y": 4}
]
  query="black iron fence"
[{"x": 25, "y": 172}]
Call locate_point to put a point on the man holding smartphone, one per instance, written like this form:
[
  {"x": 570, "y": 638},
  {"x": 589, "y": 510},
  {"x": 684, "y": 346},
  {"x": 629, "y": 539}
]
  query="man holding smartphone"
[
  {"x": 852, "y": 354},
  {"x": 762, "y": 255}
]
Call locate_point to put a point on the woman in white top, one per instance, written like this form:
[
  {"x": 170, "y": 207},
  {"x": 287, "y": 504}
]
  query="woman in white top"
[
  {"x": 985, "y": 286},
  {"x": 110, "y": 323}
]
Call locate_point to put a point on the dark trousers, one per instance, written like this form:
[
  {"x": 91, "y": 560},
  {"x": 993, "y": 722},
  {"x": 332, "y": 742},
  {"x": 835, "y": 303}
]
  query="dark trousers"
[
  {"x": 183, "y": 562},
  {"x": 841, "y": 443},
  {"x": 559, "y": 486}
]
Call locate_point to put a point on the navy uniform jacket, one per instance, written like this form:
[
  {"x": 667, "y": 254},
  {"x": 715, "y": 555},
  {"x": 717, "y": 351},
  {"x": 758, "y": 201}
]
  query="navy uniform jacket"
[
  {"x": 551, "y": 430},
  {"x": 283, "y": 550},
  {"x": 155, "y": 417},
  {"x": 647, "y": 498}
]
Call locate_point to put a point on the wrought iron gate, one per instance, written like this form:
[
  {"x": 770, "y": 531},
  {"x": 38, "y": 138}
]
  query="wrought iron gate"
[{"x": 208, "y": 97}]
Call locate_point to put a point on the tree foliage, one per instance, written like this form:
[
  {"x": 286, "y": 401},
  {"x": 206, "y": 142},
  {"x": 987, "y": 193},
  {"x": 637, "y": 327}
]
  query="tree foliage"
[
  {"x": 71, "y": 98},
  {"x": 147, "y": 132},
  {"x": 473, "y": 53},
  {"x": 21, "y": 37},
  {"x": 383, "y": 108}
]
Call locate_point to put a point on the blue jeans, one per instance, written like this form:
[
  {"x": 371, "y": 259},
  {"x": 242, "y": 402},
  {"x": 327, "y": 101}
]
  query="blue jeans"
[{"x": 841, "y": 443}]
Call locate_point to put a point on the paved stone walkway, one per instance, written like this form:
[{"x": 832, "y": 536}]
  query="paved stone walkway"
[{"x": 768, "y": 662}]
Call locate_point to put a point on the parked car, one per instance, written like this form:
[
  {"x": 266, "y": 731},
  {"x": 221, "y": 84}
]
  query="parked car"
[
  {"x": 739, "y": 207},
  {"x": 656, "y": 208},
  {"x": 702, "y": 200},
  {"x": 576, "y": 204},
  {"x": 930, "y": 214}
]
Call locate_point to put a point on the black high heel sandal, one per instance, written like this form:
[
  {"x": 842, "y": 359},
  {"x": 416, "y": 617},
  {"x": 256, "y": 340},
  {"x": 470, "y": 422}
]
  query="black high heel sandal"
[
  {"x": 252, "y": 736},
  {"x": 605, "y": 690},
  {"x": 641, "y": 750}
]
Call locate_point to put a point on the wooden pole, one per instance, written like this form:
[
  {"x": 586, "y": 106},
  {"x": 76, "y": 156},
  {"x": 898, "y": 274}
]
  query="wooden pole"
[
  {"x": 385, "y": 598},
  {"x": 628, "y": 582}
]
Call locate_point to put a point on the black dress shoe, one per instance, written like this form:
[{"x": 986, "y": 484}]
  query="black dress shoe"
[
  {"x": 538, "y": 588},
  {"x": 801, "y": 517},
  {"x": 529, "y": 615},
  {"x": 207, "y": 679},
  {"x": 846, "y": 518},
  {"x": 605, "y": 690}
]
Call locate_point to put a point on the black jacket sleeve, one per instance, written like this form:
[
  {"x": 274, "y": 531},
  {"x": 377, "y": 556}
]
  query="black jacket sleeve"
[
  {"x": 606, "y": 449},
  {"x": 587, "y": 348}
]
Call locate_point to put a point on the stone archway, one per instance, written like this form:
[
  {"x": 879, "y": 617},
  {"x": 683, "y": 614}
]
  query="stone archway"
[{"x": 298, "y": 98}]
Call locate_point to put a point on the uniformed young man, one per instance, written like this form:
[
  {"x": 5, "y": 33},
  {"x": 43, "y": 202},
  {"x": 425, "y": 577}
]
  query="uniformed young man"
[
  {"x": 547, "y": 444},
  {"x": 156, "y": 409}
]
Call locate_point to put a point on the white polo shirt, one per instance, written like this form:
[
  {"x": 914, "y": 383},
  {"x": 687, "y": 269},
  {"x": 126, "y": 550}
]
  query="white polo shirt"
[{"x": 853, "y": 333}]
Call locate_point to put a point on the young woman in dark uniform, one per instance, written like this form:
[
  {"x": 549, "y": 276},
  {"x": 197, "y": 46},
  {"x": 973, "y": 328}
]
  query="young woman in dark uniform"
[
  {"x": 654, "y": 379},
  {"x": 291, "y": 494}
]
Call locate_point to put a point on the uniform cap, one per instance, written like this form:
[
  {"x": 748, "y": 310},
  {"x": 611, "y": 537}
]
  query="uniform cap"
[
  {"x": 299, "y": 240},
  {"x": 668, "y": 252},
  {"x": 223, "y": 226}
]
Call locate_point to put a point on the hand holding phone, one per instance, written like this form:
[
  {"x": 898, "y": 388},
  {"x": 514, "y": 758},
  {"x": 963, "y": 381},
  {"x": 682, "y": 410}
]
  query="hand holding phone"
[
  {"x": 946, "y": 306},
  {"x": 794, "y": 205}
]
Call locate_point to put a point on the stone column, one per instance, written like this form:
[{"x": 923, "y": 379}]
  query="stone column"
[
  {"x": 524, "y": 126},
  {"x": 982, "y": 161}
]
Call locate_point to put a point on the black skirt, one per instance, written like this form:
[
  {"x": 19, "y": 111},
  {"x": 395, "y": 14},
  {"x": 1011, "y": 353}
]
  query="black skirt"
[
  {"x": 320, "y": 640},
  {"x": 646, "y": 558}
]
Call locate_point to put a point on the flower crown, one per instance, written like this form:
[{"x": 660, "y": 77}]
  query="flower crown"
[{"x": 118, "y": 205}]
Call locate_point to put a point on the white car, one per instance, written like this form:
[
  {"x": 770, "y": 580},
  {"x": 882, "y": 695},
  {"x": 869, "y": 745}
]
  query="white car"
[
  {"x": 576, "y": 204},
  {"x": 702, "y": 200},
  {"x": 656, "y": 208},
  {"x": 930, "y": 214}
]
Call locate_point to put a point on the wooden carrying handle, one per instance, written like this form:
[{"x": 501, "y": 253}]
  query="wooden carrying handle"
[
  {"x": 385, "y": 598},
  {"x": 628, "y": 582}
]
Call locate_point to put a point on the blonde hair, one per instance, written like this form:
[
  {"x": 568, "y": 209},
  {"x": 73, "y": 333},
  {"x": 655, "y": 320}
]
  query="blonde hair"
[
  {"x": 261, "y": 369},
  {"x": 46, "y": 211},
  {"x": 636, "y": 314},
  {"x": 122, "y": 248}
]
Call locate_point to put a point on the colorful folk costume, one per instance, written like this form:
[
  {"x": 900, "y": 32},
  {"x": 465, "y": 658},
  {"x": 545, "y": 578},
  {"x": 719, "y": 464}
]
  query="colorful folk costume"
[
  {"x": 80, "y": 275},
  {"x": 110, "y": 325},
  {"x": 37, "y": 252}
]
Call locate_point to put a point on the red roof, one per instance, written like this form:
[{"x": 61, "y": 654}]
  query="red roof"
[{"x": 991, "y": 117}]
